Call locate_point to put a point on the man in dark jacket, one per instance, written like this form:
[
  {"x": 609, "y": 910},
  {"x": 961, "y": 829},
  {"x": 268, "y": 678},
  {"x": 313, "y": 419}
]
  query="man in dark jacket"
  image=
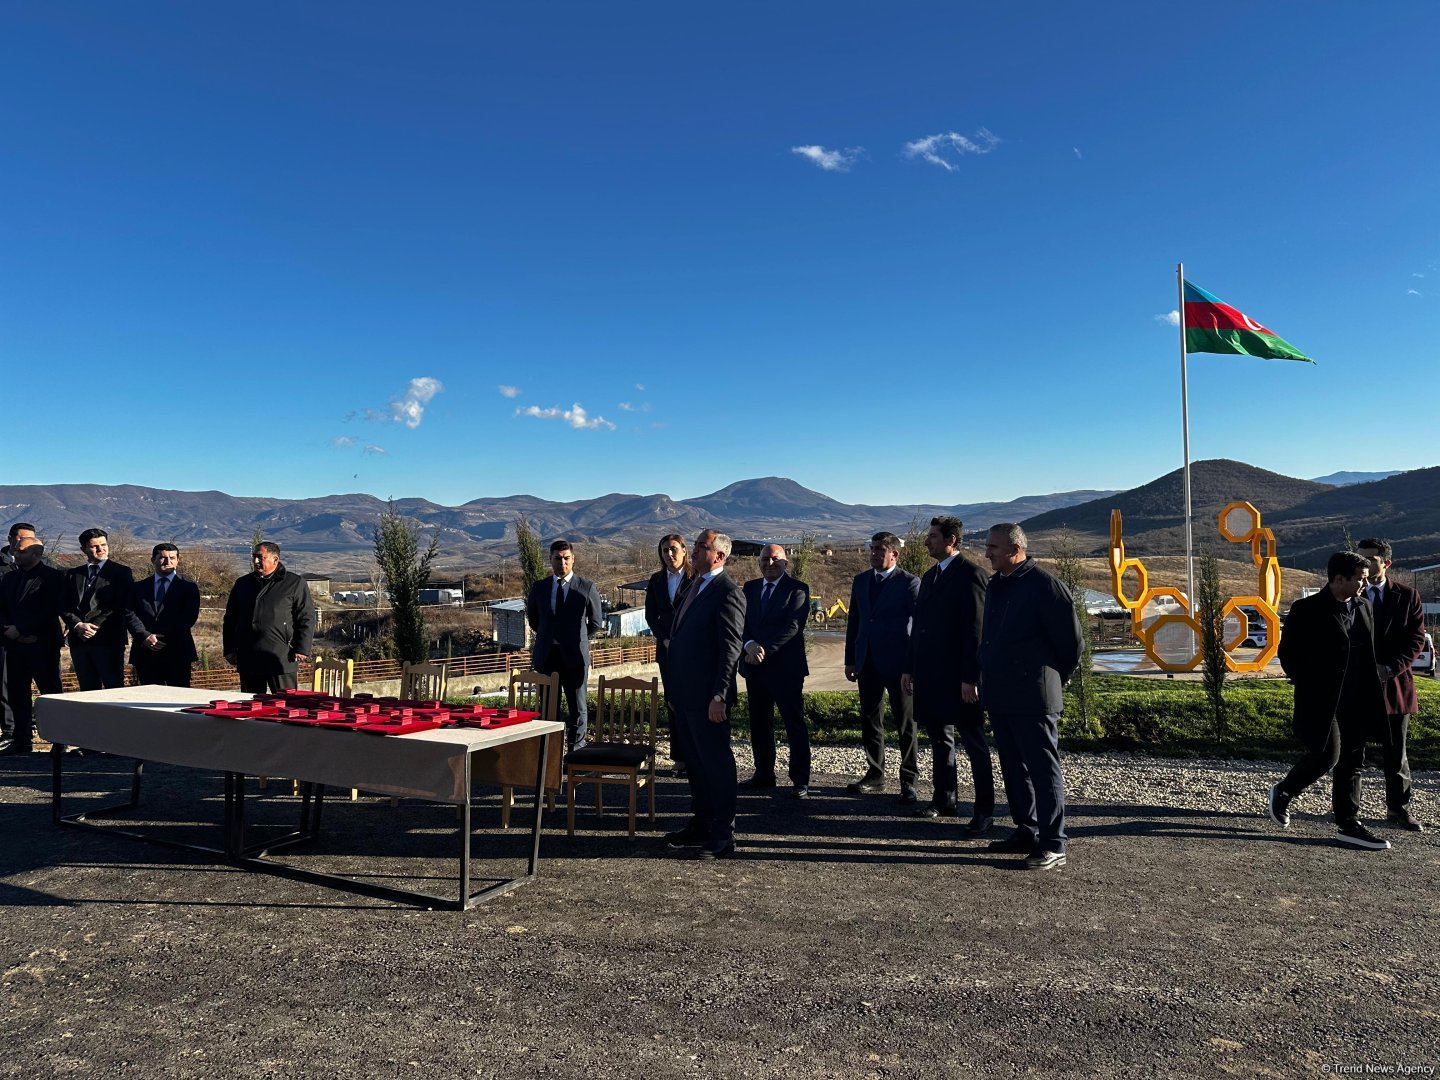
[
  {"x": 1029, "y": 647},
  {"x": 1399, "y": 639},
  {"x": 96, "y": 593},
  {"x": 30, "y": 604},
  {"x": 269, "y": 624},
  {"x": 7, "y": 564},
  {"x": 564, "y": 611},
  {"x": 1328, "y": 651},
  {"x": 774, "y": 665},
  {"x": 161, "y": 615}
]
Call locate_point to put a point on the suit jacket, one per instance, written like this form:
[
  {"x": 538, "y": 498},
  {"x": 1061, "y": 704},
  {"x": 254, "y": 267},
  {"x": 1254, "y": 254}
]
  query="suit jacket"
[
  {"x": 1031, "y": 642},
  {"x": 660, "y": 611},
  {"x": 106, "y": 605},
  {"x": 32, "y": 602},
  {"x": 579, "y": 619},
  {"x": 1315, "y": 653},
  {"x": 1399, "y": 639},
  {"x": 880, "y": 632},
  {"x": 945, "y": 633},
  {"x": 778, "y": 629},
  {"x": 705, "y": 647},
  {"x": 172, "y": 620}
]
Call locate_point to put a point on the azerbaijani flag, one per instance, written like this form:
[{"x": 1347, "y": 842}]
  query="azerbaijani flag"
[{"x": 1211, "y": 325}]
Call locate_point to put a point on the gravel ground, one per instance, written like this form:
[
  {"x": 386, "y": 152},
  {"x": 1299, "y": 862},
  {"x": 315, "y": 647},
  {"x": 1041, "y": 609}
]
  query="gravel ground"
[{"x": 1187, "y": 937}]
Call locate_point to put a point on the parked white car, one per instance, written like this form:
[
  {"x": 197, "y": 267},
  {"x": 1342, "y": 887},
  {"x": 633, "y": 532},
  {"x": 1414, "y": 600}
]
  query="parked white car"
[{"x": 1425, "y": 663}]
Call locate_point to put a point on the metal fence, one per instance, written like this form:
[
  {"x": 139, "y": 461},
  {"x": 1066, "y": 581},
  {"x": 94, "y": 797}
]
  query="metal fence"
[{"x": 368, "y": 671}]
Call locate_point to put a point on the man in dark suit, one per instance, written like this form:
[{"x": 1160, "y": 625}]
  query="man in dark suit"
[
  {"x": 162, "y": 610},
  {"x": 877, "y": 646},
  {"x": 943, "y": 673},
  {"x": 31, "y": 599},
  {"x": 564, "y": 612},
  {"x": 95, "y": 598},
  {"x": 1399, "y": 639},
  {"x": 7, "y": 564},
  {"x": 705, "y": 645},
  {"x": 1328, "y": 651},
  {"x": 774, "y": 666},
  {"x": 269, "y": 623},
  {"x": 663, "y": 594},
  {"x": 1030, "y": 648}
]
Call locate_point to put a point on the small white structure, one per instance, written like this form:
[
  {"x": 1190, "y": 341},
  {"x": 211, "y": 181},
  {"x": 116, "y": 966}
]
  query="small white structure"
[
  {"x": 507, "y": 620},
  {"x": 627, "y": 622}
]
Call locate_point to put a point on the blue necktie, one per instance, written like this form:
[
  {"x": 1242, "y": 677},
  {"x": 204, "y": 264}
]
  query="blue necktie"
[{"x": 161, "y": 584}]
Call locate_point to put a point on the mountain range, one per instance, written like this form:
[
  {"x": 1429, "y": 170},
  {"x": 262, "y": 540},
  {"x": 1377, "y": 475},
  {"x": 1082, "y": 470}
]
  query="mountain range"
[{"x": 1311, "y": 518}]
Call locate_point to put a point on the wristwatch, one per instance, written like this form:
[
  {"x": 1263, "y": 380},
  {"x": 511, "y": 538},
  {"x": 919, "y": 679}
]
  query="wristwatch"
[{"x": 718, "y": 697}]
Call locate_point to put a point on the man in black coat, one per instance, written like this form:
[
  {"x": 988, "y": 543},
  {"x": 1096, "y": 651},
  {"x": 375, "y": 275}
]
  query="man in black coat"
[
  {"x": 1029, "y": 649},
  {"x": 1399, "y": 639},
  {"x": 31, "y": 599},
  {"x": 774, "y": 666},
  {"x": 877, "y": 647},
  {"x": 1328, "y": 651},
  {"x": 705, "y": 645},
  {"x": 269, "y": 624},
  {"x": 162, "y": 611},
  {"x": 95, "y": 597},
  {"x": 564, "y": 612},
  {"x": 7, "y": 564},
  {"x": 943, "y": 674}
]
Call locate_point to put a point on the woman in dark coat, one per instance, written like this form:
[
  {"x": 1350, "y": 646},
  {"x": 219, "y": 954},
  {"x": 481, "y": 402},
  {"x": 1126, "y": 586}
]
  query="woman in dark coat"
[{"x": 662, "y": 598}]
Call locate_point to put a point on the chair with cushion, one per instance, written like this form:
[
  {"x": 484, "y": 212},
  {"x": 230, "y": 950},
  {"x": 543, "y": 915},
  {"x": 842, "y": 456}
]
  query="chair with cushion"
[
  {"x": 537, "y": 692},
  {"x": 424, "y": 682},
  {"x": 621, "y": 748}
]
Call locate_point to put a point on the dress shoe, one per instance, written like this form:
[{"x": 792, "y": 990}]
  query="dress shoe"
[
  {"x": 757, "y": 783},
  {"x": 908, "y": 797},
  {"x": 709, "y": 854},
  {"x": 690, "y": 836},
  {"x": 1403, "y": 819},
  {"x": 16, "y": 746},
  {"x": 978, "y": 826},
  {"x": 866, "y": 785},
  {"x": 931, "y": 810},
  {"x": 1019, "y": 842},
  {"x": 802, "y": 791},
  {"x": 1045, "y": 860}
]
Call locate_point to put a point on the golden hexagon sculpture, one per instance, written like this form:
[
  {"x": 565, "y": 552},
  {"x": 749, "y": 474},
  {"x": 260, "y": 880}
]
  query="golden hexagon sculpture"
[{"x": 1161, "y": 617}]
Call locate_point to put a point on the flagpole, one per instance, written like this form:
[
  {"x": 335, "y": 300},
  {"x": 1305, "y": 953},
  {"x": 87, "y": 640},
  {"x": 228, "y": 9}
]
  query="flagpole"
[{"x": 1185, "y": 440}]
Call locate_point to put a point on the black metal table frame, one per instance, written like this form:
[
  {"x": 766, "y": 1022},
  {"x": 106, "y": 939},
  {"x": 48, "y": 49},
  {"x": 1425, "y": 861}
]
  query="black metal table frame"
[{"x": 233, "y": 849}]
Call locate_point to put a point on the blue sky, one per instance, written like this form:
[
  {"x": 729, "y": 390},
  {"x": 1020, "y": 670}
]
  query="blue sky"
[{"x": 899, "y": 253}]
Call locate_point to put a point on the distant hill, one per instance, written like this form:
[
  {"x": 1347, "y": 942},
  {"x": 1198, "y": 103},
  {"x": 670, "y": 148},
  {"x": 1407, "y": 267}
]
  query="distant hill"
[
  {"x": 1340, "y": 479},
  {"x": 345, "y": 524}
]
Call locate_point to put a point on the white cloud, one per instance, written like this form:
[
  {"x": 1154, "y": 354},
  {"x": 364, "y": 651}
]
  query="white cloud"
[
  {"x": 640, "y": 386},
  {"x": 1078, "y": 155},
  {"x": 1417, "y": 275},
  {"x": 509, "y": 391},
  {"x": 1171, "y": 318},
  {"x": 941, "y": 149},
  {"x": 1412, "y": 292},
  {"x": 409, "y": 409},
  {"x": 830, "y": 160},
  {"x": 575, "y": 416},
  {"x": 340, "y": 442},
  {"x": 372, "y": 449},
  {"x": 625, "y": 406}
]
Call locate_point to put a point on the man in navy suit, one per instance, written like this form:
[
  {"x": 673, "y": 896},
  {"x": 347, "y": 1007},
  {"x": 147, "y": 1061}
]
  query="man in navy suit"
[
  {"x": 95, "y": 597},
  {"x": 776, "y": 607},
  {"x": 161, "y": 612},
  {"x": 564, "y": 612},
  {"x": 31, "y": 599},
  {"x": 877, "y": 646},
  {"x": 944, "y": 673},
  {"x": 1399, "y": 639},
  {"x": 705, "y": 643}
]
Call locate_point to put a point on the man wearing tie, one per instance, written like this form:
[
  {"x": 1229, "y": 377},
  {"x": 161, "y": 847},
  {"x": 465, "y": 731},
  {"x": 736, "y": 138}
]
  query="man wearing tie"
[
  {"x": 161, "y": 612},
  {"x": 944, "y": 674},
  {"x": 877, "y": 646},
  {"x": 705, "y": 644},
  {"x": 31, "y": 598},
  {"x": 1399, "y": 639},
  {"x": 776, "y": 607},
  {"x": 95, "y": 598},
  {"x": 7, "y": 564},
  {"x": 564, "y": 612}
]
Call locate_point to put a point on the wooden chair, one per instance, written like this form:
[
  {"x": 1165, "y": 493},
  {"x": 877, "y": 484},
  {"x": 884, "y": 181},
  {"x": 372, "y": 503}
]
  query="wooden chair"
[
  {"x": 621, "y": 748},
  {"x": 424, "y": 682},
  {"x": 534, "y": 691},
  {"x": 336, "y": 678}
]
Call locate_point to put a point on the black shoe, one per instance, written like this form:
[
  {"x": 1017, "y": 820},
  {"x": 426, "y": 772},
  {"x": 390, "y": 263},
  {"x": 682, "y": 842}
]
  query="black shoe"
[
  {"x": 929, "y": 810},
  {"x": 1357, "y": 835},
  {"x": 1403, "y": 819},
  {"x": 1019, "y": 842},
  {"x": 690, "y": 836},
  {"x": 708, "y": 853},
  {"x": 16, "y": 746},
  {"x": 1045, "y": 860},
  {"x": 908, "y": 797},
  {"x": 1278, "y": 807},
  {"x": 679, "y": 773},
  {"x": 756, "y": 783},
  {"x": 802, "y": 791},
  {"x": 978, "y": 826},
  {"x": 866, "y": 785}
]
